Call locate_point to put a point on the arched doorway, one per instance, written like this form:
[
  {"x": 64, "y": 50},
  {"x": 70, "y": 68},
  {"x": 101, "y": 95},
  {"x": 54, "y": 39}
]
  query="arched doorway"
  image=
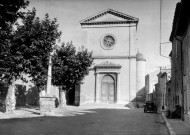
[{"x": 108, "y": 89}]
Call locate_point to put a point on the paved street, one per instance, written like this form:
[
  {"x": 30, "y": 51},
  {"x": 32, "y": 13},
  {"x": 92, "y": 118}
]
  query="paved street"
[{"x": 83, "y": 121}]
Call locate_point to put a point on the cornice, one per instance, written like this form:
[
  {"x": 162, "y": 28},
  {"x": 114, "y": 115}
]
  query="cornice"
[
  {"x": 109, "y": 23},
  {"x": 114, "y": 57}
]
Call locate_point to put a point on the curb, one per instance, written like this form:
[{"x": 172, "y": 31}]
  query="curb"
[{"x": 171, "y": 130}]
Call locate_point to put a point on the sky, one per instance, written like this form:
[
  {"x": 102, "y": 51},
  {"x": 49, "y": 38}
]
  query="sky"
[{"x": 70, "y": 12}]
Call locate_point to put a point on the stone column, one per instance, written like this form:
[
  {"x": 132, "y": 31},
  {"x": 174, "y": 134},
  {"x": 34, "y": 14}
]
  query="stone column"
[
  {"x": 49, "y": 76},
  {"x": 47, "y": 102}
]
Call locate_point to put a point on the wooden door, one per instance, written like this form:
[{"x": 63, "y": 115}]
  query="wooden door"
[
  {"x": 111, "y": 93},
  {"x": 108, "y": 91},
  {"x": 104, "y": 95}
]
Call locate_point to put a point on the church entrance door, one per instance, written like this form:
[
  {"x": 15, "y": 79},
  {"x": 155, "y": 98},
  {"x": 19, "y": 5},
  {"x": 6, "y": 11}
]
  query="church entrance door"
[{"x": 108, "y": 89}]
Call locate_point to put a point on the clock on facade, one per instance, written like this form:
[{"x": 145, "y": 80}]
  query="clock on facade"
[{"x": 108, "y": 41}]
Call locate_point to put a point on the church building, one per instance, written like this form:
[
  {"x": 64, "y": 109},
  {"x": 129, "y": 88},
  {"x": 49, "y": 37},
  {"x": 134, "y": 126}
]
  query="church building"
[{"x": 118, "y": 71}]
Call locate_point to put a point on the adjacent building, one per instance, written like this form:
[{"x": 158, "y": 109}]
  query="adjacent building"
[
  {"x": 169, "y": 96},
  {"x": 150, "y": 80},
  {"x": 161, "y": 90},
  {"x": 180, "y": 59}
]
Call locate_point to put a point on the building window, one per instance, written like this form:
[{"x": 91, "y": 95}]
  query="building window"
[{"x": 108, "y": 41}]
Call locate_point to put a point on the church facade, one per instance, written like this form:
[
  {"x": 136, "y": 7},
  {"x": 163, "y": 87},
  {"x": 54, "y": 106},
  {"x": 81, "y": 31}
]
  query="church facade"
[{"x": 118, "y": 71}]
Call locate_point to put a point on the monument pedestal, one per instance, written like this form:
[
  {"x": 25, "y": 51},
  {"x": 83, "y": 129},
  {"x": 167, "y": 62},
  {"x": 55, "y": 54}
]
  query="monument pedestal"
[{"x": 47, "y": 104}]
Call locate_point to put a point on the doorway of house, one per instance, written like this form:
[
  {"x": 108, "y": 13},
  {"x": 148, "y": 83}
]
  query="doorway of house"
[{"x": 108, "y": 89}]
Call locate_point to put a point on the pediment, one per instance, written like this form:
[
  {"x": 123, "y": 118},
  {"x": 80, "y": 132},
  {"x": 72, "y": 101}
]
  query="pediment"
[{"x": 109, "y": 16}]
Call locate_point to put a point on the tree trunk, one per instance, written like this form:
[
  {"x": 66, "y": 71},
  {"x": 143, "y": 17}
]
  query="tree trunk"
[
  {"x": 62, "y": 98},
  {"x": 10, "y": 101}
]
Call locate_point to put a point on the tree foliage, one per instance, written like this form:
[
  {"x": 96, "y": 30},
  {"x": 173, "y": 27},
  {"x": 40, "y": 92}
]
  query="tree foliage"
[
  {"x": 10, "y": 11},
  {"x": 9, "y": 62},
  {"x": 70, "y": 66},
  {"x": 25, "y": 49},
  {"x": 34, "y": 41}
]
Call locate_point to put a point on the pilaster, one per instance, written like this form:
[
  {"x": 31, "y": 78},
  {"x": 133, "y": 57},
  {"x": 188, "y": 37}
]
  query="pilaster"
[
  {"x": 118, "y": 88},
  {"x": 133, "y": 40},
  {"x": 97, "y": 98}
]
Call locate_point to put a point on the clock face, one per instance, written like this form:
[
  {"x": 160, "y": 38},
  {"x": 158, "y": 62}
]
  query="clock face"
[{"x": 108, "y": 42}]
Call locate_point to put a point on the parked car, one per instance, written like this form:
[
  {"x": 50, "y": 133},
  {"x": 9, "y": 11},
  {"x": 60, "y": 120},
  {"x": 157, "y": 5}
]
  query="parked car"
[{"x": 150, "y": 106}]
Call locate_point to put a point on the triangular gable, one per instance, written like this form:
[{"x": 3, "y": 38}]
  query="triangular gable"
[{"x": 109, "y": 16}]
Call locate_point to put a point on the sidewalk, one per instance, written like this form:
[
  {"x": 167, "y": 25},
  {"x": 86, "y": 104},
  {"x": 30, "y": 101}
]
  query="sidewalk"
[
  {"x": 21, "y": 113},
  {"x": 26, "y": 112},
  {"x": 29, "y": 112},
  {"x": 177, "y": 126}
]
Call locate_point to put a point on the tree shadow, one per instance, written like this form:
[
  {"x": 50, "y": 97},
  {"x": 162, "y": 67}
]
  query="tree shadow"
[
  {"x": 25, "y": 97},
  {"x": 32, "y": 96},
  {"x": 20, "y": 95},
  {"x": 73, "y": 96},
  {"x": 3, "y": 93},
  {"x": 30, "y": 109}
]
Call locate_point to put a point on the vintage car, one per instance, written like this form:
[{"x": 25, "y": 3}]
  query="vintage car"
[{"x": 150, "y": 106}]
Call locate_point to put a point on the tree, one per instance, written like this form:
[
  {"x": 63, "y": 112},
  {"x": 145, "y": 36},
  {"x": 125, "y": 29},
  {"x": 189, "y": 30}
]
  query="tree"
[
  {"x": 69, "y": 67},
  {"x": 34, "y": 41},
  {"x": 26, "y": 50},
  {"x": 10, "y": 64}
]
